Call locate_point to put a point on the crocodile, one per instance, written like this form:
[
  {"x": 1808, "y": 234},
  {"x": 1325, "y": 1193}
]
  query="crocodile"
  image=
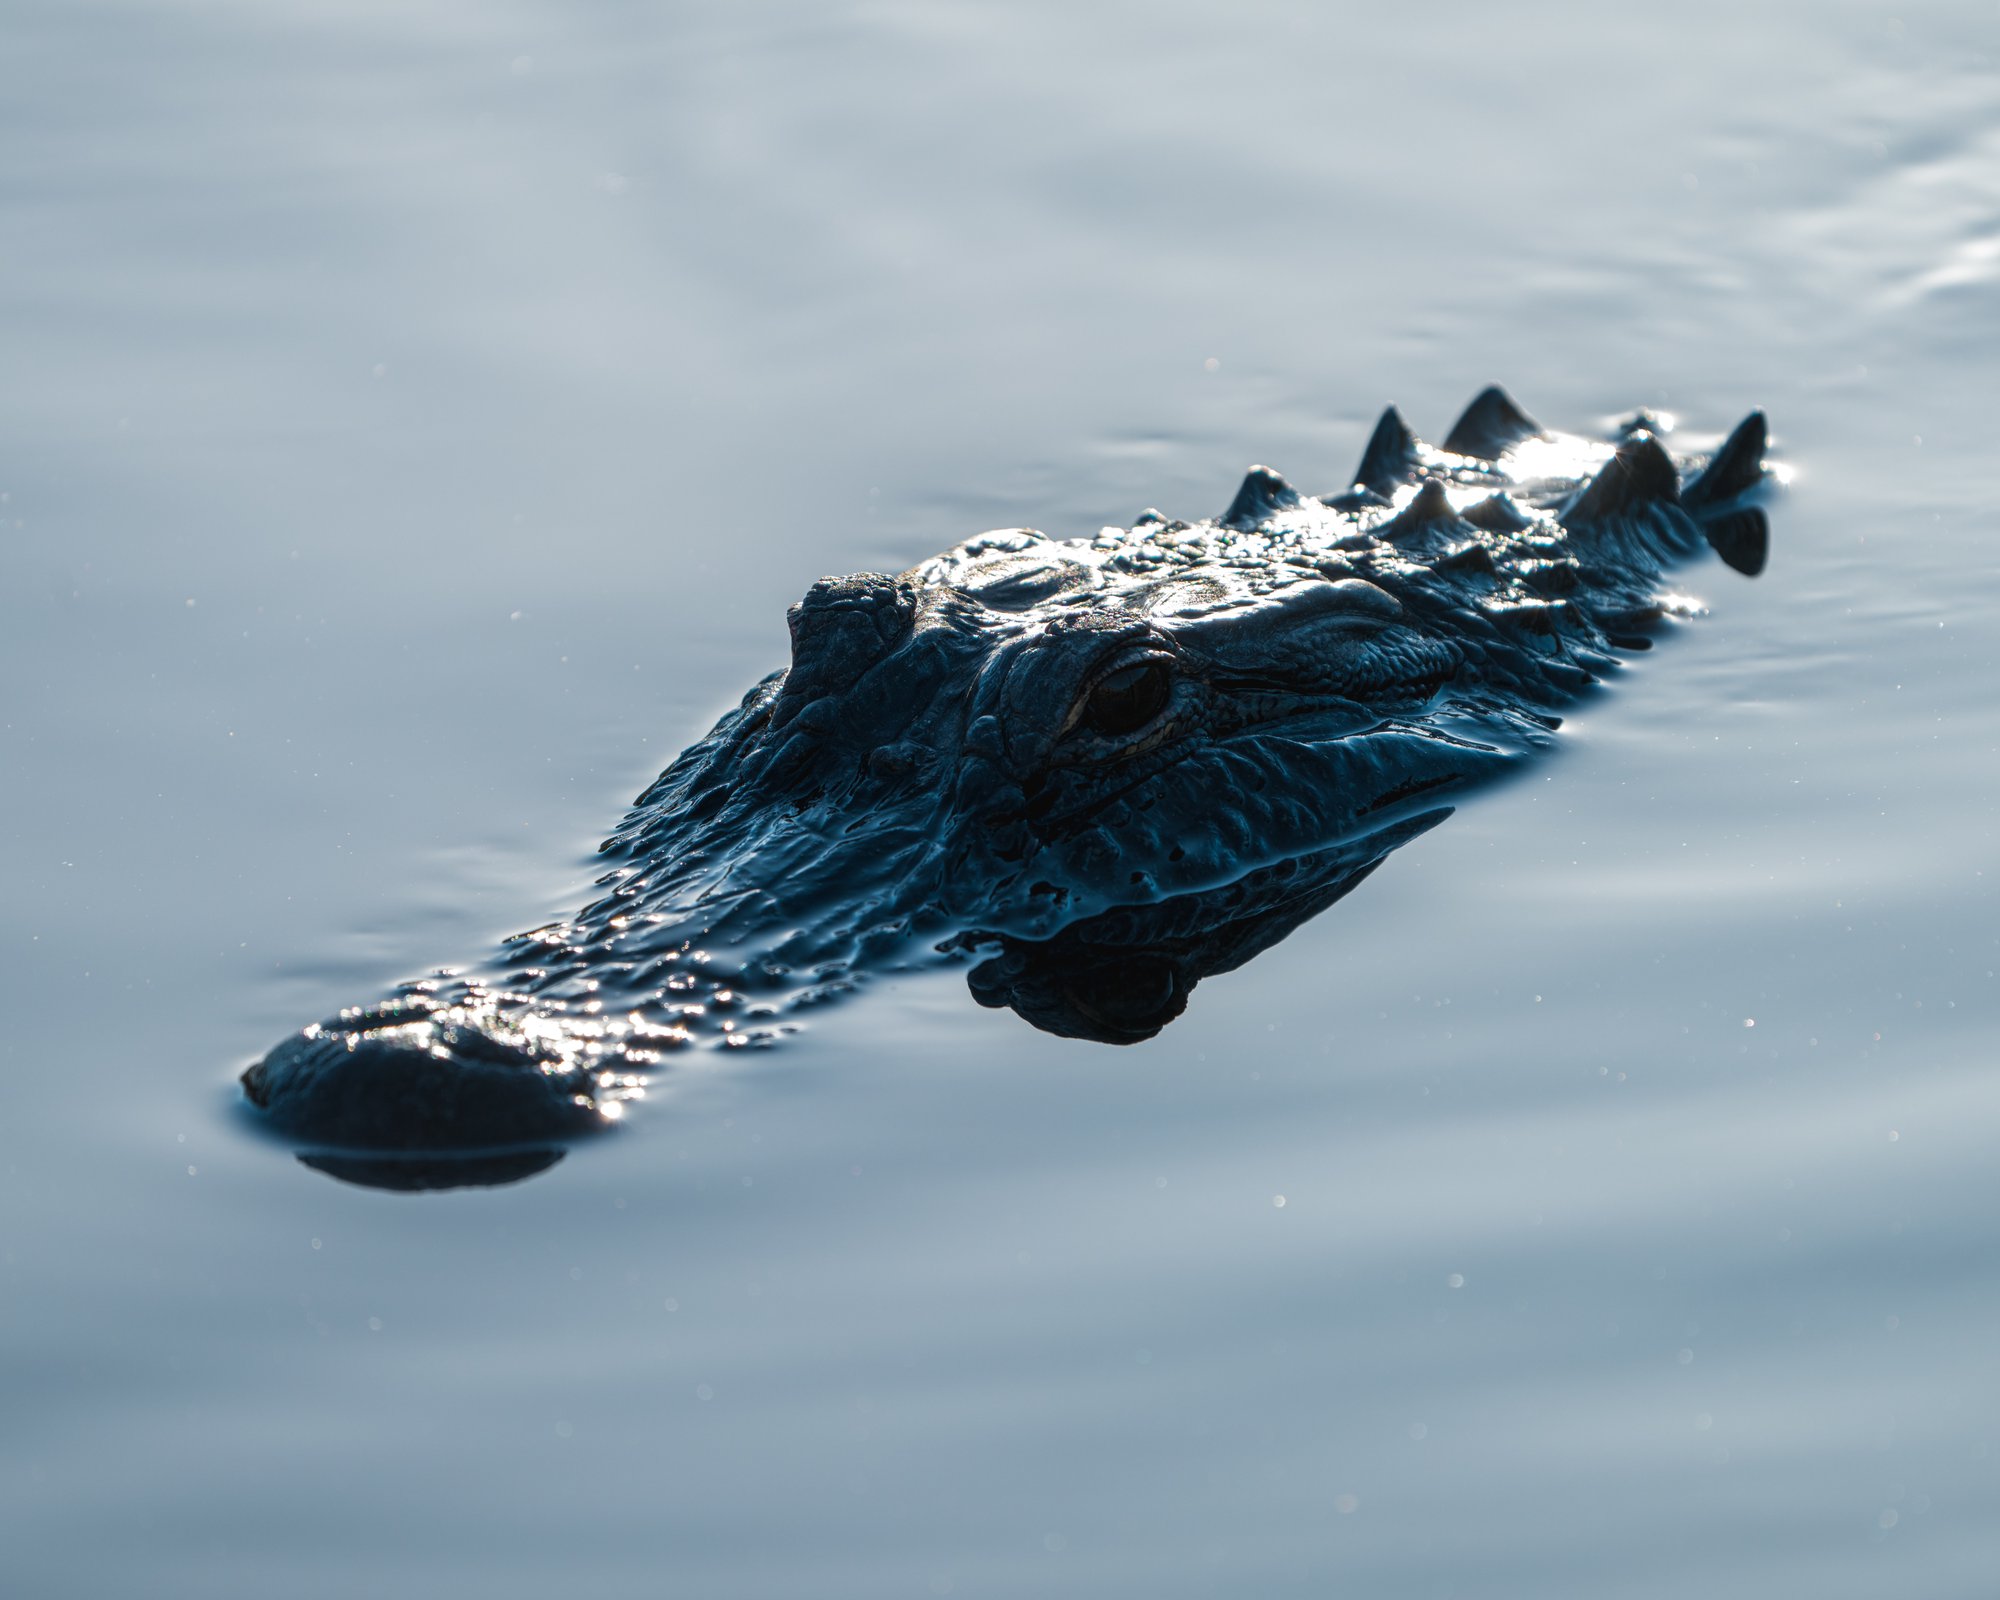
[{"x": 1092, "y": 769}]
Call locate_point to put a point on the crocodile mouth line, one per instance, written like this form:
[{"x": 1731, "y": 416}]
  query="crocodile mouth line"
[
  {"x": 1333, "y": 717},
  {"x": 1133, "y": 773}
]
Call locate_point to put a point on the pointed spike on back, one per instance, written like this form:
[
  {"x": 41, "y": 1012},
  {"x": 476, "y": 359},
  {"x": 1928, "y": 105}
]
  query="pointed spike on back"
[
  {"x": 1640, "y": 474},
  {"x": 1430, "y": 506},
  {"x": 1473, "y": 557},
  {"x": 1497, "y": 513},
  {"x": 1391, "y": 457},
  {"x": 1491, "y": 426},
  {"x": 1734, "y": 469},
  {"x": 1432, "y": 503},
  {"x": 1263, "y": 493}
]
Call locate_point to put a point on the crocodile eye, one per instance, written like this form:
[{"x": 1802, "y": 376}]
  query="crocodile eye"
[{"x": 1125, "y": 701}]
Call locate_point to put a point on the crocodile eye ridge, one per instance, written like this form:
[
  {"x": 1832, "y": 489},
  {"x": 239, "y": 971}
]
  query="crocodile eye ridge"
[{"x": 1125, "y": 701}]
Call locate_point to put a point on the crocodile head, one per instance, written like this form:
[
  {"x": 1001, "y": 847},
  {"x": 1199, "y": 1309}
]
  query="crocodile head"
[
  {"x": 1106, "y": 766},
  {"x": 1021, "y": 732},
  {"x": 1003, "y": 742}
]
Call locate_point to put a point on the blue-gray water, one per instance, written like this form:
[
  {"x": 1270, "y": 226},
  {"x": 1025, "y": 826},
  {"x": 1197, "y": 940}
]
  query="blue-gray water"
[{"x": 414, "y": 421}]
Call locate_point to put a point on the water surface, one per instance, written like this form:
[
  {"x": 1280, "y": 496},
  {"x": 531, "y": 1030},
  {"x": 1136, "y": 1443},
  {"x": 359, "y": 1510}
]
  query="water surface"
[{"x": 414, "y": 422}]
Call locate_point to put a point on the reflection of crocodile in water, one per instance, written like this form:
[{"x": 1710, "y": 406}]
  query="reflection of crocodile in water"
[{"x": 1101, "y": 767}]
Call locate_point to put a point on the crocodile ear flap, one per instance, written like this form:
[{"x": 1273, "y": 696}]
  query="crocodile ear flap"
[
  {"x": 1491, "y": 426},
  {"x": 843, "y": 627},
  {"x": 1392, "y": 455}
]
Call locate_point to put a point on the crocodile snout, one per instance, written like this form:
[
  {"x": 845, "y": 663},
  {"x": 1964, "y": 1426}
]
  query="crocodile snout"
[{"x": 403, "y": 1078}]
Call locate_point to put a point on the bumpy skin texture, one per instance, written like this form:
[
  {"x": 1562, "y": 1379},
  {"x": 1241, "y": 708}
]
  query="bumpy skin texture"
[{"x": 1107, "y": 766}]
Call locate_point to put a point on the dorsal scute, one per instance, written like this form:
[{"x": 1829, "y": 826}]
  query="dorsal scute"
[
  {"x": 1491, "y": 426},
  {"x": 1639, "y": 475},
  {"x": 1262, "y": 495},
  {"x": 1430, "y": 506},
  {"x": 1735, "y": 469},
  {"x": 1498, "y": 513},
  {"x": 1391, "y": 457}
]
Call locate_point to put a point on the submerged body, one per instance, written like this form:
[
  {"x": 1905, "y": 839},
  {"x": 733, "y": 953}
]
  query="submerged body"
[{"x": 1108, "y": 765}]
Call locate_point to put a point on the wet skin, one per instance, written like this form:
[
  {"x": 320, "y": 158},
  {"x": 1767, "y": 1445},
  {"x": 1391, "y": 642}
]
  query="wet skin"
[{"x": 1097, "y": 768}]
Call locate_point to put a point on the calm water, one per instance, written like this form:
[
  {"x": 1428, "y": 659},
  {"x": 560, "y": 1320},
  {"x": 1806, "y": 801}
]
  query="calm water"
[{"x": 414, "y": 421}]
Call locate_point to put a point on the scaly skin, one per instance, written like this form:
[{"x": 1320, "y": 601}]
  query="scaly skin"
[{"x": 1109, "y": 765}]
